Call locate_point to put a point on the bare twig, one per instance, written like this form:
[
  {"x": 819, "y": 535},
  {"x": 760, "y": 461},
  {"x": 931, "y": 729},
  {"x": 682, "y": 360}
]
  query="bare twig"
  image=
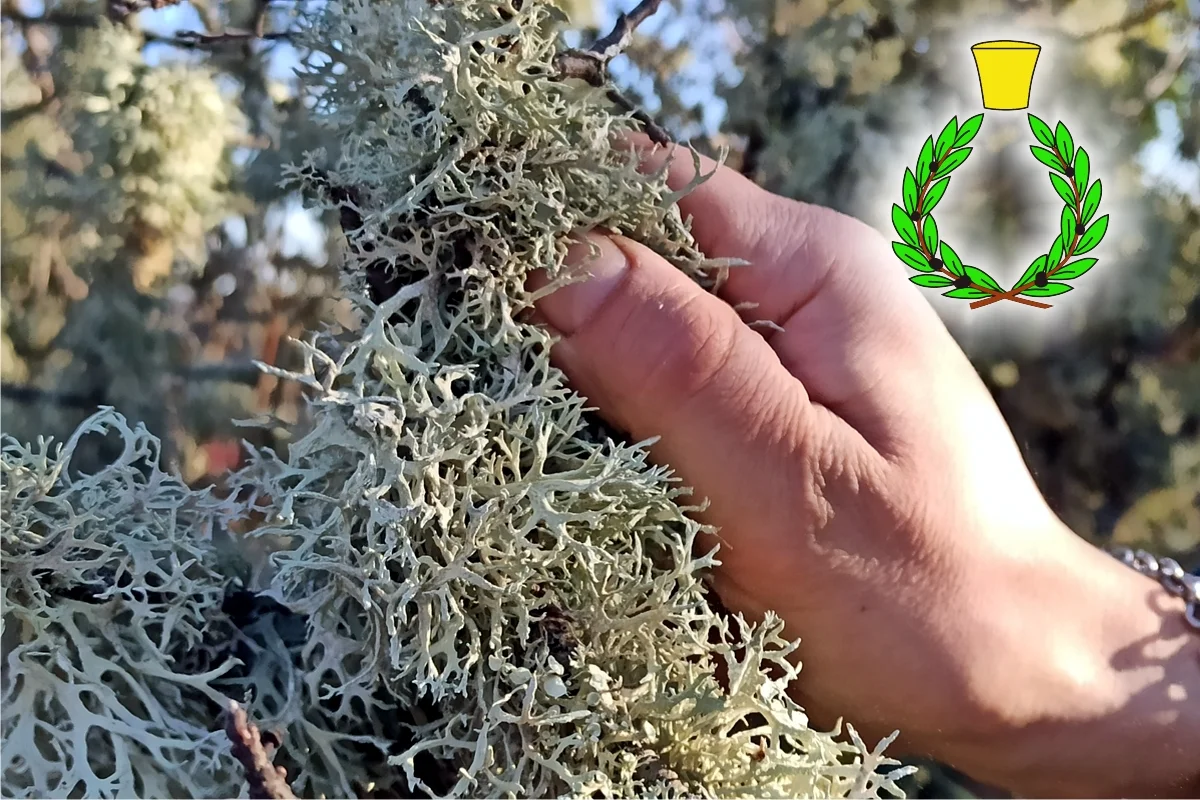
[
  {"x": 186, "y": 40},
  {"x": 266, "y": 780},
  {"x": 194, "y": 40},
  {"x": 591, "y": 65},
  {"x": 610, "y": 46}
]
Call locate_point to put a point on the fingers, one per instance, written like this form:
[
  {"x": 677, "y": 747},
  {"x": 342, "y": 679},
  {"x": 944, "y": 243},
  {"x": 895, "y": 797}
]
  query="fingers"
[
  {"x": 849, "y": 318},
  {"x": 662, "y": 357}
]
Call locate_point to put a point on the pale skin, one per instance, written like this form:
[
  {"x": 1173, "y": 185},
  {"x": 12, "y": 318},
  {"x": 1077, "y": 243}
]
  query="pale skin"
[{"x": 868, "y": 491}]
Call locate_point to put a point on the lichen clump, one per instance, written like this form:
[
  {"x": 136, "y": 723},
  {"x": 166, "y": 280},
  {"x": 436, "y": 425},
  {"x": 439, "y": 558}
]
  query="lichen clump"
[{"x": 495, "y": 596}]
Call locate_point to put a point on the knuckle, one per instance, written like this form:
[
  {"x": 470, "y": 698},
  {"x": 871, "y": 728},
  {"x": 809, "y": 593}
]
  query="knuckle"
[{"x": 692, "y": 362}]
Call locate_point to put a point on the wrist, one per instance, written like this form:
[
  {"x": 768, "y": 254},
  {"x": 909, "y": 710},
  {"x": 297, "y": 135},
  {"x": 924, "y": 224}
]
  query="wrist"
[{"x": 1099, "y": 697}]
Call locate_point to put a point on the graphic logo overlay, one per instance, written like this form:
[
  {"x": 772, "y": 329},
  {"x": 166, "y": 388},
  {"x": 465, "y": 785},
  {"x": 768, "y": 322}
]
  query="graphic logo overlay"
[{"x": 1005, "y": 77}]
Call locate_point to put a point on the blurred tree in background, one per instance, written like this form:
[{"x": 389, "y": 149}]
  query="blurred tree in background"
[{"x": 150, "y": 257}]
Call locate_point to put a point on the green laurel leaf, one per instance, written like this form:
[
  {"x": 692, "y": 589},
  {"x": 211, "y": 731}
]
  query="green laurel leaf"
[
  {"x": 1049, "y": 290},
  {"x": 912, "y": 257},
  {"x": 1056, "y": 253},
  {"x": 925, "y": 161},
  {"x": 968, "y": 130},
  {"x": 911, "y": 194},
  {"x": 934, "y": 195},
  {"x": 1083, "y": 167},
  {"x": 1041, "y": 130},
  {"x": 1038, "y": 265},
  {"x": 1075, "y": 269},
  {"x": 945, "y": 139},
  {"x": 981, "y": 278},
  {"x": 966, "y": 294},
  {"x": 1091, "y": 202},
  {"x": 952, "y": 162},
  {"x": 904, "y": 226},
  {"x": 930, "y": 234},
  {"x": 951, "y": 261},
  {"x": 1063, "y": 188},
  {"x": 931, "y": 281},
  {"x": 1048, "y": 158},
  {"x": 1064, "y": 142},
  {"x": 1067, "y": 225},
  {"x": 1092, "y": 236}
]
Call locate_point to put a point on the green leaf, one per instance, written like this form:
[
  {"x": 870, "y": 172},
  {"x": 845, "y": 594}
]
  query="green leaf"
[
  {"x": 1041, "y": 130},
  {"x": 912, "y": 257},
  {"x": 1048, "y": 158},
  {"x": 1083, "y": 167},
  {"x": 967, "y": 131},
  {"x": 1091, "y": 202},
  {"x": 1075, "y": 269},
  {"x": 911, "y": 195},
  {"x": 1067, "y": 226},
  {"x": 904, "y": 226},
  {"x": 930, "y": 233},
  {"x": 1092, "y": 236},
  {"x": 981, "y": 278},
  {"x": 925, "y": 161},
  {"x": 966, "y": 294},
  {"x": 951, "y": 260},
  {"x": 945, "y": 139},
  {"x": 1064, "y": 189},
  {"x": 931, "y": 281},
  {"x": 1056, "y": 253},
  {"x": 1063, "y": 141},
  {"x": 952, "y": 162},
  {"x": 1049, "y": 290},
  {"x": 1038, "y": 265},
  {"x": 934, "y": 195}
]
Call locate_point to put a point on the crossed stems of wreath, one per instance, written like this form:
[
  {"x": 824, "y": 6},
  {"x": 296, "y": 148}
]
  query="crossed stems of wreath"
[
  {"x": 1068, "y": 160},
  {"x": 1014, "y": 293},
  {"x": 941, "y": 267}
]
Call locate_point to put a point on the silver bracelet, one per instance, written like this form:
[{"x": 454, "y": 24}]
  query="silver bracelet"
[{"x": 1169, "y": 574}]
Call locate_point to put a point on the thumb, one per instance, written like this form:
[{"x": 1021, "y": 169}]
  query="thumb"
[{"x": 659, "y": 356}]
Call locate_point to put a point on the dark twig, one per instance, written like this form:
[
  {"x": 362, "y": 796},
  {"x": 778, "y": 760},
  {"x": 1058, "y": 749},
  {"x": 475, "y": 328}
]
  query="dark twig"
[
  {"x": 591, "y": 65},
  {"x": 194, "y": 40},
  {"x": 266, "y": 780},
  {"x": 186, "y": 40}
]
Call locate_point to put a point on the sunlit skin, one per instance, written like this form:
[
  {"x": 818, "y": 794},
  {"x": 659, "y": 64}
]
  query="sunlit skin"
[{"x": 868, "y": 490}]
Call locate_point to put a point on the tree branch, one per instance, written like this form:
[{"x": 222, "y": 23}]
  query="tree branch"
[
  {"x": 266, "y": 780},
  {"x": 591, "y": 65},
  {"x": 186, "y": 40}
]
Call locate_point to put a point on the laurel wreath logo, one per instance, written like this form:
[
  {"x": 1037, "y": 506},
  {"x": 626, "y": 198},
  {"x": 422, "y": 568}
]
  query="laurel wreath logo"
[{"x": 939, "y": 264}]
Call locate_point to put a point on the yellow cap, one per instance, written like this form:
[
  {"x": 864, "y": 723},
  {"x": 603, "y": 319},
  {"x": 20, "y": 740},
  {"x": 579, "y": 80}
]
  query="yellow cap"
[{"x": 1006, "y": 73}]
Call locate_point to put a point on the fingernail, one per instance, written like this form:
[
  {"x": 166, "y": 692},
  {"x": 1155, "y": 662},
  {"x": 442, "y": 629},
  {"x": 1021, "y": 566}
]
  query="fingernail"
[{"x": 568, "y": 309}]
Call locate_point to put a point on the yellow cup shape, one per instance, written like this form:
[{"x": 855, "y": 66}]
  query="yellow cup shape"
[{"x": 1006, "y": 73}]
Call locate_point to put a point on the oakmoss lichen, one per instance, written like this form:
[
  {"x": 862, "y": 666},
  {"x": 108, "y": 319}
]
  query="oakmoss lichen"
[{"x": 480, "y": 593}]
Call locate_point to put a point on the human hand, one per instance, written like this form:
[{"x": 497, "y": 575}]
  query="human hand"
[{"x": 868, "y": 491}]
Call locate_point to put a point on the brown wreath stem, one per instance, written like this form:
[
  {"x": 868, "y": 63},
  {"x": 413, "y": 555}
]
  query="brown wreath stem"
[
  {"x": 1067, "y": 256},
  {"x": 591, "y": 65},
  {"x": 930, "y": 256},
  {"x": 267, "y": 781}
]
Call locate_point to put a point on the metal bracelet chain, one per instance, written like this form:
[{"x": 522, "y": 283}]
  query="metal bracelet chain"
[{"x": 1170, "y": 575}]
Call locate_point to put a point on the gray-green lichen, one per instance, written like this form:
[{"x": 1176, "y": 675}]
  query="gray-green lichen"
[
  {"x": 111, "y": 648},
  {"x": 461, "y": 533},
  {"x": 481, "y": 593}
]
